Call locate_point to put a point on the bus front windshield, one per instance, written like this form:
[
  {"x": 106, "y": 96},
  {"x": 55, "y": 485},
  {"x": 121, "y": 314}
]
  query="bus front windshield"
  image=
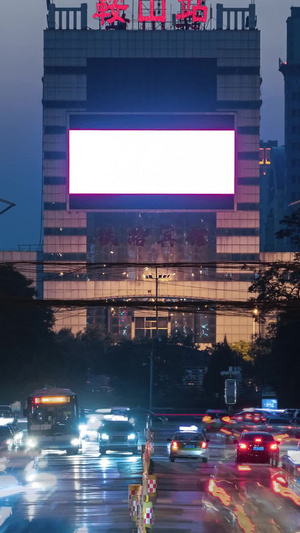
[{"x": 61, "y": 417}]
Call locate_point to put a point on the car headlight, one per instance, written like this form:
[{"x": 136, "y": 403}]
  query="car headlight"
[
  {"x": 75, "y": 442},
  {"x": 131, "y": 436},
  {"x": 82, "y": 428},
  {"x": 31, "y": 443},
  {"x": 104, "y": 436}
]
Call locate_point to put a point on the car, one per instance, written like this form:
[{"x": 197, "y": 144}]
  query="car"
[
  {"x": 118, "y": 436},
  {"x": 251, "y": 417},
  {"x": 6, "y": 438},
  {"x": 257, "y": 446},
  {"x": 214, "y": 414},
  {"x": 120, "y": 411},
  {"x": 296, "y": 417},
  {"x": 278, "y": 421},
  {"x": 188, "y": 443},
  {"x": 7, "y": 416},
  {"x": 289, "y": 413}
]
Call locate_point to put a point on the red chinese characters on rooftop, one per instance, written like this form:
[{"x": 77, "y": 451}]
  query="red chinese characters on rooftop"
[
  {"x": 194, "y": 11},
  {"x": 110, "y": 11},
  {"x": 153, "y": 16}
]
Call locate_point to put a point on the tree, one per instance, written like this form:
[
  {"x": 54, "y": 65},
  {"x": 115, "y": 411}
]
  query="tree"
[
  {"x": 276, "y": 358},
  {"x": 243, "y": 349},
  {"x": 280, "y": 282},
  {"x": 26, "y": 335},
  {"x": 221, "y": 358},
  {"x": 291, "y": 229}
]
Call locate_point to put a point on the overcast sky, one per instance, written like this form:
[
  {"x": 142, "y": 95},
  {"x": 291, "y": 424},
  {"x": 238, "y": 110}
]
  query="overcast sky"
[{"x": 21, "y": 48}]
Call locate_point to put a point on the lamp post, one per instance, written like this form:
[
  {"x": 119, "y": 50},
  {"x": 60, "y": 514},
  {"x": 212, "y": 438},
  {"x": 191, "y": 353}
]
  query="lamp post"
[
  {"x": 156, "y": 277},
  {"x": 255, "y": 317},
  {"x": 156, "y": 335}
]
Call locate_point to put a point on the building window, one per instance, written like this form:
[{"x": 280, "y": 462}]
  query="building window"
[
  {"x": 267, "y": 156},
  {"x": 261, "y": 156}
]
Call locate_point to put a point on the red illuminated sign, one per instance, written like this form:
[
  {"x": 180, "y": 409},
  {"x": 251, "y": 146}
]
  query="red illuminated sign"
[
  {"x": 109, "y": 11},
  {"x": 198, "y": 12},
  {"x": 152, "y": 17}
]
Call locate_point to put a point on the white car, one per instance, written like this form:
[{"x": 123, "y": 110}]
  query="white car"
[{"x": 188, "y": 444}]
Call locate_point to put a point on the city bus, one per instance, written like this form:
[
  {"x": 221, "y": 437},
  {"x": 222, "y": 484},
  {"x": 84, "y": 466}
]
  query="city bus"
[{"x": 53, "y": 420}]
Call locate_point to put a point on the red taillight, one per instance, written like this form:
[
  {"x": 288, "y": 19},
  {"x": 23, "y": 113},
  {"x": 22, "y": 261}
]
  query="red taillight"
[
  {"x": 258, "y": 439},
  {"x": 174, "y": 445},
  {"x": 273, "y": 447},
  {"x": 239, "y": 418},
  {"x": 37, "y": 400},
  {"x": 243, "y": 446},
  {"x": 281, "y": 479},
  {"x": 203, "y": 445}
]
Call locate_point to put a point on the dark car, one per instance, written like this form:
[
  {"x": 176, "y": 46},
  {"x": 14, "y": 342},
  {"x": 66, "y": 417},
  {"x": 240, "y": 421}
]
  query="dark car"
[
  {"x": 6, "y": 438},
  {"x": 257, "y": 446},
  {"x": 250, "y": 417},
  {"x": 118, "y": 436},
  {"x": 214, "y": 414},
  {"x": 278, "y": 421},
  {"x": 289, "y": 413}
]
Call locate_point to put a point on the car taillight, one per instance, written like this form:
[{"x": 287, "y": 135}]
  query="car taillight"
[
  {"x": 258, "y": 440},
  {"x": 281, "y": 480},
  {"x": 203, "y": 445},
  {"x": 273, "y": 447},
  {"x": 174, "y": 445},
  {"x": 239, "y": 418},
  {"x": 243, "y": 446}
]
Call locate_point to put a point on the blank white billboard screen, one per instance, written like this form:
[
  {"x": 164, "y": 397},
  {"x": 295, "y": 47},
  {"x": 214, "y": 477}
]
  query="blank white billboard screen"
[{"x": 151, "y": 162}]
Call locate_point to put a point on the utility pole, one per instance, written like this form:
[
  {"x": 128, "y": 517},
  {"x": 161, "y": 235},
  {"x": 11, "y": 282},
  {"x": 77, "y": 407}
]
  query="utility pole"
[{"x": 152, "y": 347}]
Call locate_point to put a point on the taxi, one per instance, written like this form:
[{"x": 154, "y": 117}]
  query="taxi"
[{"x": 188, "y": 442}]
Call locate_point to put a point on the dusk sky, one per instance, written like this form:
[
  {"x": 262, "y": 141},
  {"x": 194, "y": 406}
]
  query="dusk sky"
[{"x": 21, "y": 53}]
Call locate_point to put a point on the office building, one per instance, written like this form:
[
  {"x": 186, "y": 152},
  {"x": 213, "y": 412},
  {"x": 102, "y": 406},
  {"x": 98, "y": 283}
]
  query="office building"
[{"x": 173, "y": 77}]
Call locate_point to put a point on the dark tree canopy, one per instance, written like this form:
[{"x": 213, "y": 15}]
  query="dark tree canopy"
[
  {"x": 291, "y": 229},
  {"x": 26, "y": 333},
  {"x": 280, "y": 282}
]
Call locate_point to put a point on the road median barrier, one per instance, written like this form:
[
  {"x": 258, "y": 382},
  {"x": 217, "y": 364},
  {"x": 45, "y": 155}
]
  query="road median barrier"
[{"x": 140, "y": 495}]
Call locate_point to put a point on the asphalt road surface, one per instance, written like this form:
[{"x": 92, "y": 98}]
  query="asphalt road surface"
[{"x": 89, "y": 494}]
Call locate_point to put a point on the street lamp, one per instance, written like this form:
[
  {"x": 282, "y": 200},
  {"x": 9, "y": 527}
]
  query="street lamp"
[{"x": 255, "y": 316}]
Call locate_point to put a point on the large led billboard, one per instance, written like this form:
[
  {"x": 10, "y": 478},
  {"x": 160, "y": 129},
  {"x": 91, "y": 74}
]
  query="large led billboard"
[{"x": 153, "y": 169}]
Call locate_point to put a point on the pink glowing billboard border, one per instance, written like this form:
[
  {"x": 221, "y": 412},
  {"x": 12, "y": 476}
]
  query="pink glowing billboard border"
[{"x": 151, "y": 162}]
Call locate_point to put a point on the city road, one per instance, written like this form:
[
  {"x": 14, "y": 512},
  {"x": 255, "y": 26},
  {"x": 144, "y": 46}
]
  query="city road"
[{"x": 89, "y": 494}]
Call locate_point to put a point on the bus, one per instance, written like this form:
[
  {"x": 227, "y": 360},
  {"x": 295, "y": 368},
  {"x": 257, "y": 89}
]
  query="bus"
[{"x": 53, "y": 420}]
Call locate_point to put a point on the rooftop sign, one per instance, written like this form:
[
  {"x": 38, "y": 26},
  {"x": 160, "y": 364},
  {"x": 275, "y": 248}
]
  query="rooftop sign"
[{"x": 111, "y": 11}]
